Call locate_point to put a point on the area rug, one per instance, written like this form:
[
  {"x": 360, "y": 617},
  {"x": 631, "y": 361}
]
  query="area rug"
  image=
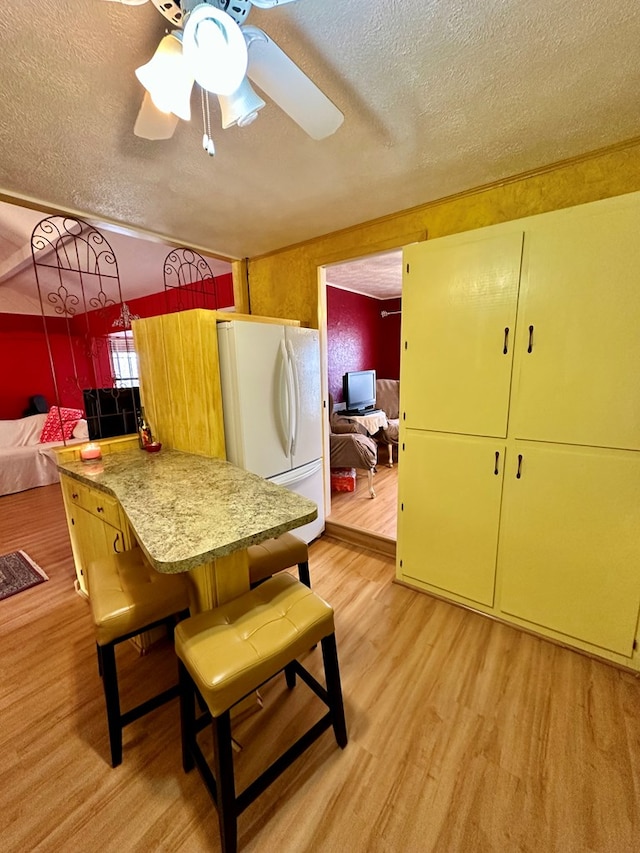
[{"x": 18, "y": 572}]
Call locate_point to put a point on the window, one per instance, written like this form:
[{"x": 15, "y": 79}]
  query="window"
[{"x": 124, "y": 361}]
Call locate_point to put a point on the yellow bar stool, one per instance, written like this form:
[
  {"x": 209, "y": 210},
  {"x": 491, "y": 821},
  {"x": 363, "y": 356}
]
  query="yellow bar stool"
[
  {"x": 226, "y": 654},
  {"x": 127, "y": 597},
  {"x": 274, "y": 555}
]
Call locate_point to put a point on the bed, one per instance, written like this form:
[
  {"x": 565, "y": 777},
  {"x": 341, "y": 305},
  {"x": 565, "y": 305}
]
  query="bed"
[{"x": 25, "y": 461}]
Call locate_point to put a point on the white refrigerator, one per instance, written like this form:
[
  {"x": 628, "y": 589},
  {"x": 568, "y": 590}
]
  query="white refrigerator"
[{"x": 272, "y": 405}]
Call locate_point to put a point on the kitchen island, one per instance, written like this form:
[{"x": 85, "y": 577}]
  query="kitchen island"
[{"x": 188, "y": 513}]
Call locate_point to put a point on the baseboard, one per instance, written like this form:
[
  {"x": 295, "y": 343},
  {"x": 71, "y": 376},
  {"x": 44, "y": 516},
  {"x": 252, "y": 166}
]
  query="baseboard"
[{"x": 361, "y": 537}]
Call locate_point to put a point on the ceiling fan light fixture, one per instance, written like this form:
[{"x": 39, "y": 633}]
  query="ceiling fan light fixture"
[
  {"x": 240, "y": 107},
  {"x": 215, "y": 50},
  {"x": 167, "y": 78},
  {"x": 269, "y": 4}
]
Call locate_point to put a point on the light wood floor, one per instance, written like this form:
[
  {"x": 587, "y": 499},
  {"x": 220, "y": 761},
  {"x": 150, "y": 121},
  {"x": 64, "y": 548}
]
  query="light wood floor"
[
  {"x": 465, "y": 735},
  {"x": 359, "y": 510}
]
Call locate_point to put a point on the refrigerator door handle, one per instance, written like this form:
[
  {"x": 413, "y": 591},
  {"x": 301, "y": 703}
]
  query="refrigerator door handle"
[
  {"x": 284, "y": 400},
  {"x": 295, "y": 409},
  {"x": 291, "y": 478}
]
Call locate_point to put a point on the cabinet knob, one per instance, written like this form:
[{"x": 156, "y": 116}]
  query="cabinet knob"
[
  {"x": 74, "y": 495},
  {"x": 115, "y": 543},
  {"x": 100, "y": 508},
  {"x": 519, "y": 471},
  {"x": 505, "y": 348},
  {"x": 495, "y": 469}
]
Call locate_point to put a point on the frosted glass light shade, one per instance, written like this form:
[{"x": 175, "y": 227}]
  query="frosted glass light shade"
[
  {"x": 167, "y": 78},
  {"x": 215, "y": 50},
  {"x": 240, "y": 107}
]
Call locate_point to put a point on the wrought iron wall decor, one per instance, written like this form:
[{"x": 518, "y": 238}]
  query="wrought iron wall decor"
[
  {"x": 79, "y": 284},
  {"x": 186, "y": 277}
]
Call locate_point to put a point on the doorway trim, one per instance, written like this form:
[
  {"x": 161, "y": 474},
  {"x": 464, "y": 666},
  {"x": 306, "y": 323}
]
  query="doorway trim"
[{"x": 347, "y": 533}]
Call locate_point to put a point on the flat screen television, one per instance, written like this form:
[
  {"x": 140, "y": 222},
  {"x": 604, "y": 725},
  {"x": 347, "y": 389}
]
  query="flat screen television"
[
  {"x": 111, "y": 411},
  {"x": 359, "y": 390}
]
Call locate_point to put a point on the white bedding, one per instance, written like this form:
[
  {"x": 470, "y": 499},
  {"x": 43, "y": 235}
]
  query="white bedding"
[{"x": 26, "y": 463}]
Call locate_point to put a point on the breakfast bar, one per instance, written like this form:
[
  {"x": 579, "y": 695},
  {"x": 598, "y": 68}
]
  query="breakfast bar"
[{"x": 191, "y": 513}]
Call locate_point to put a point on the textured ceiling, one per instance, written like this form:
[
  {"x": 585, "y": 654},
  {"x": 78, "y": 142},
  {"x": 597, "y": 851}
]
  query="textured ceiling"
[
  {"x": 378, "y": 276},
  {"x": 438, "y": 97}
]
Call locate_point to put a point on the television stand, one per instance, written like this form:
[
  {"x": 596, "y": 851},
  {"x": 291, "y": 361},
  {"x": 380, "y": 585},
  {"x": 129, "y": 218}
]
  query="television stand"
[
  {"x": 372, "y": 419},
  {"x": 358, "y": 413}
]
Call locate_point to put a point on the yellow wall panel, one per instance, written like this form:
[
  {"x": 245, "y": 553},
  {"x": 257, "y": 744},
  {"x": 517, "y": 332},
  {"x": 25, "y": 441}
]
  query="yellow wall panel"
[
  {"x": 180, "y": 380},
  {"x": 148, "y": 337}
]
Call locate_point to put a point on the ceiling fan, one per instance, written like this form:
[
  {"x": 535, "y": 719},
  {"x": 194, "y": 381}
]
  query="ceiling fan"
[{"x": 213, "y": 47}]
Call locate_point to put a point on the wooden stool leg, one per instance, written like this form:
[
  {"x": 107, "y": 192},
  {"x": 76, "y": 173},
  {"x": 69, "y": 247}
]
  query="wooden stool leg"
[
  {"x": 187, "y": 717},
  {"x": 303, "y": 573},
  {"x": 334, "y": 689},
  {"x": 107, "y": 658},
  {"x": 225, "y": 784}
]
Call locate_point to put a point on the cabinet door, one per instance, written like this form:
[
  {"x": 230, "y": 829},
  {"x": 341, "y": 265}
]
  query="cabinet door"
[
  {"x": 459, "y": 308},
  {"x": 96, "y": 526},
  {"x": 569, "y": 546},
  {"x": 77, "y": 550},
  {"x": 71, "y": 491},
  {"x": 449, "y": 493},
  {"x": 94, "y": 540},
  {"x": 575, "y": 376}
]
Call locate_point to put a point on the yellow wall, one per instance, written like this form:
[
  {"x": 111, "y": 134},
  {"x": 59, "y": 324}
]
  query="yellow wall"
[{"x": 284, "y": 284}]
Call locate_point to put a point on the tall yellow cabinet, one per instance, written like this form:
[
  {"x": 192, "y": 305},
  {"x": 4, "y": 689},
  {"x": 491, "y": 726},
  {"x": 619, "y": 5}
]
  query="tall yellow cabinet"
[{"x": 520, "y": 423}]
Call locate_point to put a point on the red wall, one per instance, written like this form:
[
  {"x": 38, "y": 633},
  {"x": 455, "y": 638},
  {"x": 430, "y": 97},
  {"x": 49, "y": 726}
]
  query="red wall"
[
  {"x": 79, "y": 352},
  {"x": 389, "y": 342},
  {"x": 218, "y": 294},
  {"x": 26, "y": 367},
  {"x": 358, "y": 338}
]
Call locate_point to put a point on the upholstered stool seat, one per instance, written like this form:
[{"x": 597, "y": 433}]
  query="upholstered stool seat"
[
  {"x": 127, "y": 597},
  {"x": 274, "y": 555},
  {"x": 226, "y": 654}
]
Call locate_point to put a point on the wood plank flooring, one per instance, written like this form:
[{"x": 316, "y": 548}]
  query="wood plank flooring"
[
  {"x": 357, "y": 509},
  {"x": 465, "y": 735}
]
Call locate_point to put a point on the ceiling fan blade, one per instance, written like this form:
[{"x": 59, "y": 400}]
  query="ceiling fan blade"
[
  {"x": 153, "y": 124},
  {"x": 280, "y": 78}
]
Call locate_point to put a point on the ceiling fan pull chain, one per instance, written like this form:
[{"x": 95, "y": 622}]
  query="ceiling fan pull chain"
[
  {"x": 205, "y": 137},
  {"x": 209, "y": 147}
]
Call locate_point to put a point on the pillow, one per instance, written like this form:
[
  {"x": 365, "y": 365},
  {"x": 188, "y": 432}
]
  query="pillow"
[
  {"x": 59, "y": 424},
  {"x": 81, "y": 430}
]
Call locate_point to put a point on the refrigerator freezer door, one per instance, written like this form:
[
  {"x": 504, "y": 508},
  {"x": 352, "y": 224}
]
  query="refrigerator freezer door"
[
  {"x": 304, "y": 355},
  {"x": 256, "y": 396},
  {"x": 308, "y": 482}
]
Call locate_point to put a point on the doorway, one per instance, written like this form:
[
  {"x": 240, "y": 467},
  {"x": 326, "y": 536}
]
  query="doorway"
[{"x": 361, "y": 328}]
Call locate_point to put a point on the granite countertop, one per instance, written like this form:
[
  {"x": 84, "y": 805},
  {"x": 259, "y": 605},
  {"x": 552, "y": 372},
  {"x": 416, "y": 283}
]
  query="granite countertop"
[{"x": 186, "y": 510}]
